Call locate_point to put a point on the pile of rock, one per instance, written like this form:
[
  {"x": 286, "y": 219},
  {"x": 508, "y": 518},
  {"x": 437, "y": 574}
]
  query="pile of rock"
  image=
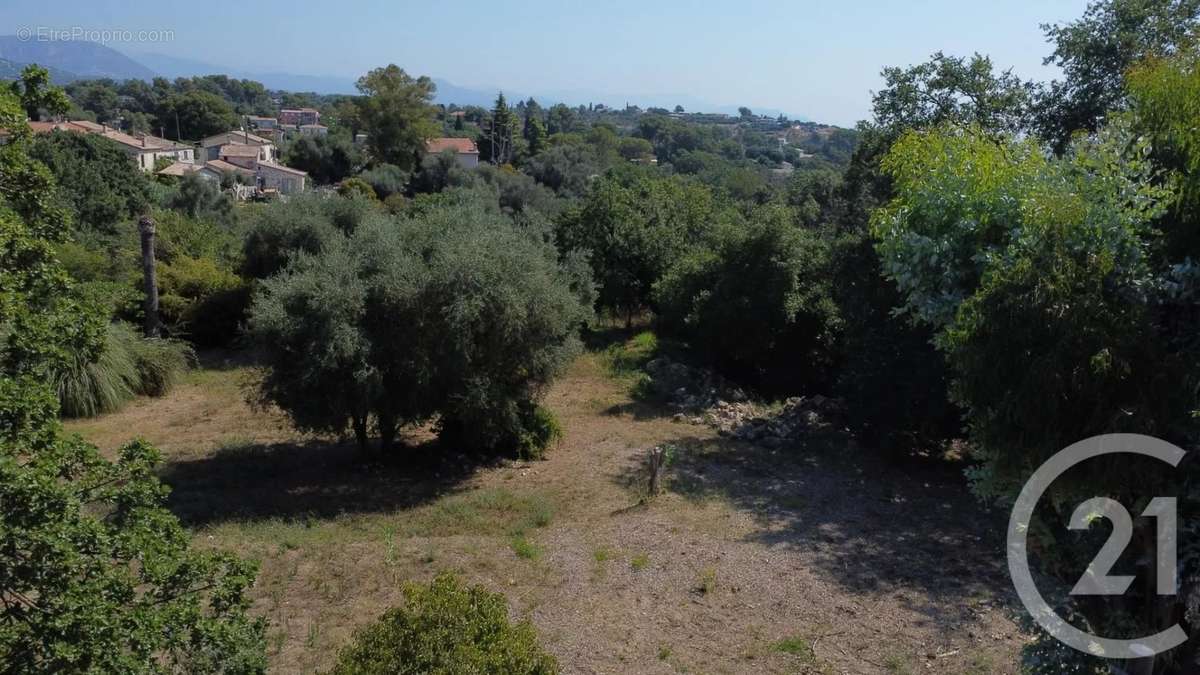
[
  {"x": 701, "y": 396},
  {"x": 689, "y": 389},
  {"x": 779, "y": 427}
]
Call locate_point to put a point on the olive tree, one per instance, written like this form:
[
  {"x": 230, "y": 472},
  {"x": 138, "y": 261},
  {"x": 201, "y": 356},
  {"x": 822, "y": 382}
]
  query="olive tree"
[{"x": 455, "y": 314}]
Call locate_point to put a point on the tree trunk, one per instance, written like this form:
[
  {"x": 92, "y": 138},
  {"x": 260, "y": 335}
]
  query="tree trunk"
[
  {"x": 152, "y": 326},
  {"x": 657, "y": 462},
  {"x": 359, "y": 422},
  {"x": 387, "y": 432}
]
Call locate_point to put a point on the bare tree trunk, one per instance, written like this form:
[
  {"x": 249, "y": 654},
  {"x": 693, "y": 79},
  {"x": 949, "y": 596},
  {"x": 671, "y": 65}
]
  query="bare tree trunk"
[
  {"x": 387, "y": 432},
  {"x": 359, "y": 422},
  {"x": 152, "y": 326},
  {"x": 657, "y": 463}
]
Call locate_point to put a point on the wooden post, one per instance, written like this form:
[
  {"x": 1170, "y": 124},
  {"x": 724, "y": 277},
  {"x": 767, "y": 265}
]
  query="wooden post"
[
  {"x": 152, "y": 326},
  {"x": 658, "y": 462}
]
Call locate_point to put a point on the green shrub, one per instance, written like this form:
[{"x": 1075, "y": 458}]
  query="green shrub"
[
  {"x": 160, "y": 364},
  {"x": 96, "y": 180},
  {"x": 128, "y": 366},
  {"x": 541, "y": 430},
  {"x": 624, "y": 358},
  {"x": 215, "y": 320},
  {"x": 356, "y": 187},
  {"x": 84, "y": 263},
  {"x": 449, "y": 628},
  {"x": 635, "y": 225},
  {"x": 386, "y": 180},
  {"x": 201, "y": 301},
  {"x": 87, "y": 388},
  {"x": 756, "y": 301},
  {"x": 300, "y": 225},
  {"x": 1039, "y": 277}
]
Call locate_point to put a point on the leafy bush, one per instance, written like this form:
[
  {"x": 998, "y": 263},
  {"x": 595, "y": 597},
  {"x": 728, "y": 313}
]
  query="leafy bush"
[
  {"x": 894, "y": 381},
  {"x": 88, "y": 387},
  {"x": 634, "y": 226},
  {"x": 755, "y": 300},
  {"x": 127, "y": 366},
  {"x": 199, "y": 197},
  {"x": 386, "y": 180},
  {"x": 356, "y": 187},
  {"x": 201, "y": 237},
  {"x": 201, "y": 301},
  {"x": 328, "y": 159},
  {"x": 456, "y": 313},
  {"x": 539, "y": 432},
  {"x": 95, "y": 178},
  {"x": 216, "y": 319},
  {"x": 446, "y": 627},
  {"x": 303, "y": 224},
  {"x": 1039, "y": 277},
  {"x": 160, "y": 364}
]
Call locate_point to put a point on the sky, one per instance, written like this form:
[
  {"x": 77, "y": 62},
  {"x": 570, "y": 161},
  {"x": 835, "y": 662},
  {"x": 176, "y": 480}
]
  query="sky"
[{"x": 818, "y": 59}]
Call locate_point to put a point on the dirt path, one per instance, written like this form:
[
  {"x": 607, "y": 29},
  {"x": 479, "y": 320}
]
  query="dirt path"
[{"x": 802, "y": 560}]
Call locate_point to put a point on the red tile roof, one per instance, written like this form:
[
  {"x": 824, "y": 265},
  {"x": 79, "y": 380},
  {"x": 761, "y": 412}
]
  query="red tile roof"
[
  {"x": 241, "y": 137},
  {"x": 459, "y": 145},
  {"x": 238, "y": 150},
  {"x": 179, "y": 169},
  {"x": 225, "y": 167},
  {"x": 268, "y": 166},
  {"x": 47, "y": 127}
]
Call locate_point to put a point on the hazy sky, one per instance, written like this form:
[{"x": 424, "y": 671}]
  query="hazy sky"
[{"x": 816, "y": 58}]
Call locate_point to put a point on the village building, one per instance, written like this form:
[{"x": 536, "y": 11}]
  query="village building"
[
  {"x": 299, "y": 116},
  {"x": 283, "y": 179},
  {"x": 463, "y": 148},
  {"x": 211, "y": 146},
  {"x": 245, "y": 156}
]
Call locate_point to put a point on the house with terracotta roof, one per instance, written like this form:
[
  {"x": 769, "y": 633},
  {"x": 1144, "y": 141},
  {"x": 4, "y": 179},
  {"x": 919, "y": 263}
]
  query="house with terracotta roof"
[
  {"x": 257, "y": 122},
  {"x": 246, "y": 156},
  {"x": 463, "y": 148},
  {"x": 299, "y": 116},
  {"x": 179, "y": 169},
  {"x": 211, "y": 146},
  {"x": 146, "y": 150},
  {"x": 283, "y": 179}
]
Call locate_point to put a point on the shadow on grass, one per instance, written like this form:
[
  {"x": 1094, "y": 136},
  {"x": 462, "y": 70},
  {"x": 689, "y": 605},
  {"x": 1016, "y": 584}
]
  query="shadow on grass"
[
  {"x": 224, "y": 360},
  {"x": 870, "y": 525},
  {"x": 314, "y": 479}
]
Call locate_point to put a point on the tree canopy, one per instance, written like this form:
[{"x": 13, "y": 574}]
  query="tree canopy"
[
  {"x": 97, "y": 575},
  {"x": 396, "y": 113}
]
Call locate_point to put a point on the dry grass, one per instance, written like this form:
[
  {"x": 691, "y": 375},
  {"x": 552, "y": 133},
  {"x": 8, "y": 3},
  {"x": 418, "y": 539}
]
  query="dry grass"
[{"x": 751, "y": 562}]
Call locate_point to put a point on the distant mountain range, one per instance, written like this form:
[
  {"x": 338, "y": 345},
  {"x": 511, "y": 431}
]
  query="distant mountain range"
[
  {"x": 68, "y": 61},
  {"x": 80, "y": 59}
]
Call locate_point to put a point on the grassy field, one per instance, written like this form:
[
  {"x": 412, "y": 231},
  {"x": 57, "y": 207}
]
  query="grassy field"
[{"x": 807, "y": 560}]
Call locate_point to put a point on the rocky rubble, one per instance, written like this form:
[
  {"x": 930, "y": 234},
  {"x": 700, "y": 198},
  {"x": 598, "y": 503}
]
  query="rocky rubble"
[{"x": 701, "y": 396}]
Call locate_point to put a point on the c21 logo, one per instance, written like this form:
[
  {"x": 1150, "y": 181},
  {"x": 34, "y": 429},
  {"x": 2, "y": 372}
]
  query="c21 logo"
[{"x": 1096, "y": 579}]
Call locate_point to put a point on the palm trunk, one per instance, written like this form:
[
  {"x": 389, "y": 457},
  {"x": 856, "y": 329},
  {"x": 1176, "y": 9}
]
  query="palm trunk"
[{"x": 152, "y": 327}]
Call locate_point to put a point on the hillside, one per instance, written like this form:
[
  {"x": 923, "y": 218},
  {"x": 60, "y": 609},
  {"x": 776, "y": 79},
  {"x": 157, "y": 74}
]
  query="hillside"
[
  {"x": 11, "y": 70},
  {"x": 83, "y": 59}
]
